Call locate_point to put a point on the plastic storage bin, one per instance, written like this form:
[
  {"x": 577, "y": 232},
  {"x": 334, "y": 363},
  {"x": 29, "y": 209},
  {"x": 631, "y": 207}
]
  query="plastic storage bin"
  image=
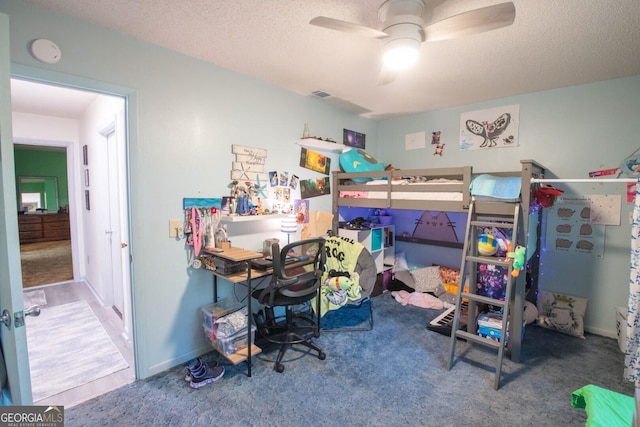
[
  {"x": 233, "y": 343},
  {"x": 213, "y": 312}
]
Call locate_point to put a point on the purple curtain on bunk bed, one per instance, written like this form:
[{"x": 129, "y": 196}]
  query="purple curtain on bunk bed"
[{"x": 632, "y": 355}]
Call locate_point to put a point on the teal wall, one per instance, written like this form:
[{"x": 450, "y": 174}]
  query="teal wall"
[
  {"x": 184, "y": 115},
  {"x": 45, "y": 163}
]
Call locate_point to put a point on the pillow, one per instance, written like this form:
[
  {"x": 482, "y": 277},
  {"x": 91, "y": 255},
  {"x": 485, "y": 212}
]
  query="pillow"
[
  {"x": 405, "y": 277},
  {"x": 563, "y": 313},
  {"x": 428, "y": 280},
  {"x": 400, "y": 262},
  {"x": 450, "y": 276}
]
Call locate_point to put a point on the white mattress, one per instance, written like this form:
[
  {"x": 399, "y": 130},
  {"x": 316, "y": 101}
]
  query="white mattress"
[{"x": 402, "y": 195}]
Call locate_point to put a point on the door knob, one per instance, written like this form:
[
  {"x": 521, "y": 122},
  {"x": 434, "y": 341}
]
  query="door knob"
[
  {"x": 34, "y": 311},
  {"x": 6, "y": 318}
]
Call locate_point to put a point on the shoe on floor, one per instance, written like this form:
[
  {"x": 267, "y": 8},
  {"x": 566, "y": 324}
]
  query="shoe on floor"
[
  {"x": 196, "y": 365},
  {"x": 206, "y": 375}
]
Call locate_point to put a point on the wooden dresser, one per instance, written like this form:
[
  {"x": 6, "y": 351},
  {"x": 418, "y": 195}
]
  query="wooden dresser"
[{"x": 43, "y": 227}]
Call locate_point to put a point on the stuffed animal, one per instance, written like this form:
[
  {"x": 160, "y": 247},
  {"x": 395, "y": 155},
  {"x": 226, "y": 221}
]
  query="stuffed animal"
[{"x": 518, "y": 259}]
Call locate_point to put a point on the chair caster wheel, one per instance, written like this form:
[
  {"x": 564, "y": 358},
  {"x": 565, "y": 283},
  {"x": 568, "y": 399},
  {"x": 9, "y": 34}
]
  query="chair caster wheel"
[
  {"x": 279, "y": 368},
  {"x": 322, "y": 355},
  {"x": 316, "y": 334}
]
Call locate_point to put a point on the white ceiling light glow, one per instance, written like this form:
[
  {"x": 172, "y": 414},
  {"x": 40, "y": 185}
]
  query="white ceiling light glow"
[
  {"x": 400, "y": 54},
  {"x": 404, "y": 24}
]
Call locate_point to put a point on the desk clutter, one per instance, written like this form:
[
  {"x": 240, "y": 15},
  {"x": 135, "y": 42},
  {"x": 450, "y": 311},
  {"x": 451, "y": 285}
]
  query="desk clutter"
[{"x": 221, "y": 265}]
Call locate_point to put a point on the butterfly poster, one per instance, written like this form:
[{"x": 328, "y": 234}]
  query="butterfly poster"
[{"x": 491, "y": 128}]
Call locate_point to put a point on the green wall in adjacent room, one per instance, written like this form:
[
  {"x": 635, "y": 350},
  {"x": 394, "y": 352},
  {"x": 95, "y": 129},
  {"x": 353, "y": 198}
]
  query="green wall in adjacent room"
[{"x": 32, "y": 162}]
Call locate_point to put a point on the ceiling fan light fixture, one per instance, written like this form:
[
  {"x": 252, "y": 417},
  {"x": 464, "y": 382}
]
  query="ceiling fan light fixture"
[{"x": 400, "y": 54}]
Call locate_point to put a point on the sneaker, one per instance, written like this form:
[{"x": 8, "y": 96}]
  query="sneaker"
[
  {"x": 196, "y": 365},
  {"x": 206, "y": 375}
]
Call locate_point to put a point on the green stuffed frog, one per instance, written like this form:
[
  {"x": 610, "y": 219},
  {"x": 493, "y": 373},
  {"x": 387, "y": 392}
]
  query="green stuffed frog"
[{"x": 518, "y": 259}]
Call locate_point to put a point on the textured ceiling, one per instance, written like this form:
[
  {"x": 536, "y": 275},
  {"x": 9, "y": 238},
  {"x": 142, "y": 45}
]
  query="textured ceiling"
[{"x": 552, "y": 43}]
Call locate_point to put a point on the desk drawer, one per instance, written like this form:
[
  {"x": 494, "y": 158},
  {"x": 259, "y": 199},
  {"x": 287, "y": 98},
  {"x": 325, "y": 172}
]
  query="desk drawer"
[
  {"x": 31, "y": 226},
  {"x": 61, "y": 225},
  {"x": 29, "y": 218},
  {"x": 26, "y": 236},
  {"x": 59, "y": 233}
]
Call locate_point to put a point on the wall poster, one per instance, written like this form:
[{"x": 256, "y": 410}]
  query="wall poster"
[
  {"x": 569, "y": 227},
  {"x": 490, "y": 128}
]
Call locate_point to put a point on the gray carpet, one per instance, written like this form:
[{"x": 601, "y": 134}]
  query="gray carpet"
[{"x": 393, "y": 375}]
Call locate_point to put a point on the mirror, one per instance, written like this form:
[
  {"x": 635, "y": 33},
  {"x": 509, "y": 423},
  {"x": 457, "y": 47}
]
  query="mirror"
[{"x": 38, "y": 194}]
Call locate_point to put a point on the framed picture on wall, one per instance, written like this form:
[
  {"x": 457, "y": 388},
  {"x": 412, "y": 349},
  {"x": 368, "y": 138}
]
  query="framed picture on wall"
[
  {"x": 353, "y": 138},
  {"x": 87, "y": 204},
  {"x": 85, "y": 155},
  {"x": 86, "y": 177}
]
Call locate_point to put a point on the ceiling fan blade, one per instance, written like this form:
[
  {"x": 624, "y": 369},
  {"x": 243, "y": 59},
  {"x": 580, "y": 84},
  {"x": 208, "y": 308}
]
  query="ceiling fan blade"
[
  {"x": 386, "y": 76},
  {"x": 472, "y": 22},
  {"x": 347, "y": 27}
]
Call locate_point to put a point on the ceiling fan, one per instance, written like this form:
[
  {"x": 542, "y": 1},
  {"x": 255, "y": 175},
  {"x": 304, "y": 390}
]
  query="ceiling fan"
[{"x": 404, "y": 30}]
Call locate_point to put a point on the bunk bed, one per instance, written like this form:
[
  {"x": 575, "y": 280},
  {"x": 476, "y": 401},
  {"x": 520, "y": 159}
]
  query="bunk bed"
[{"x": 444, "y": 190}]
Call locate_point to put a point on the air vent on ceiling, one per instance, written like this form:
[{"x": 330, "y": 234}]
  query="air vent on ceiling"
[{"x": 321, "y": 94}]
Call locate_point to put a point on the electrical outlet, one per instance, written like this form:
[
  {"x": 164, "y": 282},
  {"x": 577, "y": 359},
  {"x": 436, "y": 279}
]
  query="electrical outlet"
[{"x": 174, "y": 224}]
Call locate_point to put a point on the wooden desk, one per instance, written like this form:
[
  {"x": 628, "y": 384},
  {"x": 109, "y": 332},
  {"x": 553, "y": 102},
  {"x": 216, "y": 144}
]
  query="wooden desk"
[{"x": 240, "y": 255}]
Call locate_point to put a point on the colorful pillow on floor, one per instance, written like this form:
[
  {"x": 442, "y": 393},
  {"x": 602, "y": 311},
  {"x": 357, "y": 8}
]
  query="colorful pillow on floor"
[
  {"x": 563, "y": 313},
  {"x": 450, "y": 278}
]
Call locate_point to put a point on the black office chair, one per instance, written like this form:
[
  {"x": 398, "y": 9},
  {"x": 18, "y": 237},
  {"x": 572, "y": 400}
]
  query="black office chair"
[{"x": 291, "y": 285}]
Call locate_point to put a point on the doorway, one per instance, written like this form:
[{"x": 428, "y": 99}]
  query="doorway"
[
  {"x": 43, "y": 220},
  {"x": 75, "y": 121}
]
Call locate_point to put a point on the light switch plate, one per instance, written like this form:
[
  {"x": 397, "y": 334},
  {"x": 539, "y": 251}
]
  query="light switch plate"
[{"x": 173, "y": 227}]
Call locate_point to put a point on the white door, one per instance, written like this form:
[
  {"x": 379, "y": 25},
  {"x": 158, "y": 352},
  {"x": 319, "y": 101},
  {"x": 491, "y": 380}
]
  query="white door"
[
  {"x": 13, "y": 336},
  {"x": 114, "y": 232},
  {"x": 116, "y": 269}
]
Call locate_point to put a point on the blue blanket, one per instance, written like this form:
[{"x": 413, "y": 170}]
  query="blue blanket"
[{"x": 499, "y": 187}]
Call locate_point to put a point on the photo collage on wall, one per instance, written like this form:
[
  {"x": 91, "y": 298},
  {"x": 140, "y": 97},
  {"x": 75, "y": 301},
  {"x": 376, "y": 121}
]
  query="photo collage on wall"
[{"x": 283, "y": 187}]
